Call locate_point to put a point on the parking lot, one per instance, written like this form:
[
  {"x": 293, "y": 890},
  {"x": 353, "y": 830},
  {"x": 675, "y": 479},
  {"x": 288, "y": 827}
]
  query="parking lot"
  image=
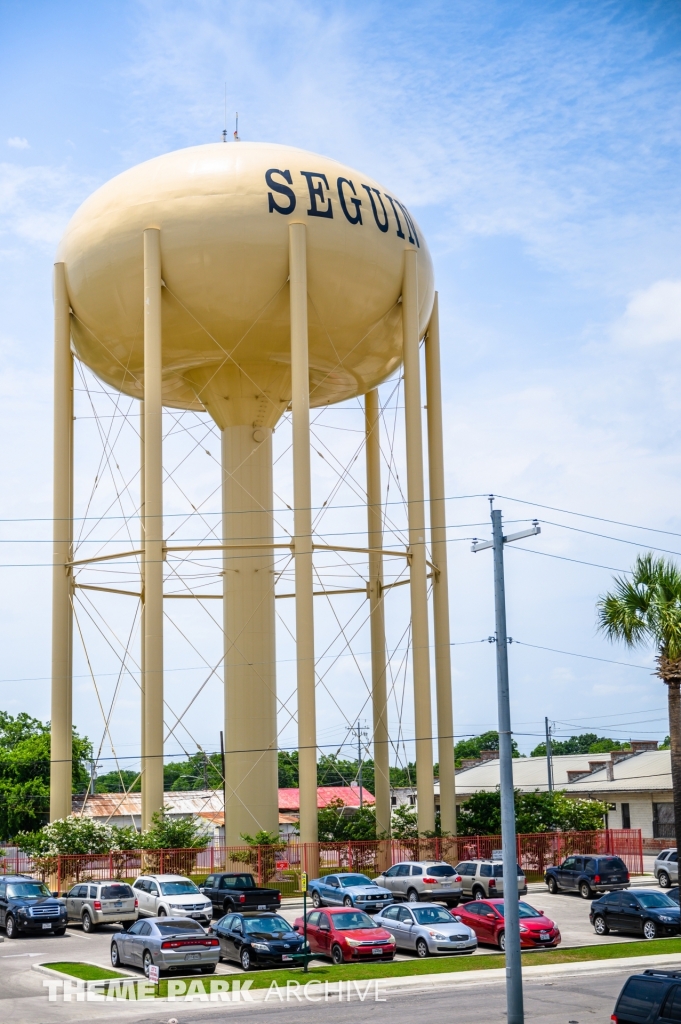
[{"x": 570, "y": 912}]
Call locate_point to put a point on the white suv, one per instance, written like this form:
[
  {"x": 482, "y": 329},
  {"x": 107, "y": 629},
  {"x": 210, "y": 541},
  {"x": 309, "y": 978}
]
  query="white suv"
[
  {"x": 171, "y": 896},
  {"x": 666, "y": 868}
]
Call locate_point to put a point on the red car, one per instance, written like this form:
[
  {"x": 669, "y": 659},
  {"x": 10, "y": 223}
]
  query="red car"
[
  {"x": 486, "y": 918},
  {"x": 346, "y": 934}
]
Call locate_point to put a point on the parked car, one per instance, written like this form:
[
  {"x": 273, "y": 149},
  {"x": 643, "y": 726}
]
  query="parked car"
[
  {"x": 648, "y": 997},
  {"x": 348, "y": 891},
  {"x": 648, "y": 912},
  {"x": 257, "y": 939},
  {"x": 666, "y": 867},
  {"x": 416, "y": 880},
  {"x": 230, "y": 891},
  {"x": 674, "y": 894},
  {"x": 169, "y": 943},
  {"x": 28, "y": 906},
  {"x": 486, "y": 919},
  {"x": 427, "y": 929},
  {"x": 345, "y": 934},
  {"x": 171, "y": 896},
  {"x": 95, "y": 903},
  {"x": 484, "y": 879},
  {"x": 588, "y": 875}
]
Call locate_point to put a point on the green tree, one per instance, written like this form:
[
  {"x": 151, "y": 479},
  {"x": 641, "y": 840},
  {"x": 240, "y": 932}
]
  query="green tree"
[
  {"x": 288, "y": 769},
  {"x": 645, "y": 610},
  {"x": 472, "y": 746},
  {"x": 25, "y": 772},
  {"x": 123, "y": 781},
  {"x": 585, "y": 743},
  {"x": 174, "y": 833},
  {"x": 404, "y": 823},
  {"x": 535, "y": 812},
  {"x": 200, "y": 771}
]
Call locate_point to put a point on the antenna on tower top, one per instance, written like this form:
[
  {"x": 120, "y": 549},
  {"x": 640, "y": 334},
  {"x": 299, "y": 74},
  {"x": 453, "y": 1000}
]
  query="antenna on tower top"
[
  {"x": 224, "y": 130},
  {"x": 236, "y": 130}
]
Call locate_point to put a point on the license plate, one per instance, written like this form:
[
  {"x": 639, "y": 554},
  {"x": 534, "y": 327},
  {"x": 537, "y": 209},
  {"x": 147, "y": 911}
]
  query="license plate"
[
  {"x": 262, "y": 906},
  {"x": 46, "y": 927},
  {"x": 118, "y": 903},
  {"x": 197, "y": 914},
  {"x": 192, "y": 956},
  {"x": 544, "y": 935},
  {"x": 286, "y": 957},
  {"x": 377, "y": 952}
]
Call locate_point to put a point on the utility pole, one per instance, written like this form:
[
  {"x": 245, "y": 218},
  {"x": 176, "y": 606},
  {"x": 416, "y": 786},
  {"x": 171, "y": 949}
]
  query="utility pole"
[
  {"x": 549, "y": 761},
  {"x": 514, "y": 978},
  {"x": 360, "y": 731}
]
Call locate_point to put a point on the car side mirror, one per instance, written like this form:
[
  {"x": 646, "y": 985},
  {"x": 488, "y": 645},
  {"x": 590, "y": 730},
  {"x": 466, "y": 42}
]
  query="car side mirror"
[
  {"x": 541, "y": 911},
  {"x": 456, "y": 917},
  {"x": 296, "y": 927},
  {"x": 55, "y": 894},
  {"x": 489, "y": 915}
]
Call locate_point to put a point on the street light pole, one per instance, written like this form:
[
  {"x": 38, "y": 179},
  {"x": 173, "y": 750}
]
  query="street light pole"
[
  {"x": 549, "y": 755},
  {"x": 514, "y": 978}
]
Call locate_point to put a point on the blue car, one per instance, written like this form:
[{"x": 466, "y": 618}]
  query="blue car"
[{"x": 349, "y": 891}]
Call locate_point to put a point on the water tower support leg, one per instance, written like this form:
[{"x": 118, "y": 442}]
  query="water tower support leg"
[
  {"x": 152, "y": 772},
  {"x": 143, "y": 678},
  {"x": 417, "y": 544},
  {"x": 438, "y": 539},
  {"x": 377, "y": 615},
  {"x": 62, "y": 611},
  {"x": 302, "y": 501}
]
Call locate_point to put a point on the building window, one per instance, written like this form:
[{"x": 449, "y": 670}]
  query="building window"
[
  {"x": 412, "y": 800},
  {"x": 393, "y": 801},
  {"x": 663, "y": 821},
  {"x": 626, "y": 816}
]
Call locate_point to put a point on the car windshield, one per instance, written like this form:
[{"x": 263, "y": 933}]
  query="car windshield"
[
  {"x": 25, "y": 890},
  {"x": 349, "y": 919},
  {"x": 524, "y": 910},
  {"x": 116, "y": 892},
  {"x": 441, "y": 870},
  {"x": 655, "y": 899},
  {"x": 347, "y": 880},
  {"x": 183, "y": 888},
  {"x": 173, "y": 927},
  {"x": 432, "y": 915},
  {"x": 267, "y": 925}
]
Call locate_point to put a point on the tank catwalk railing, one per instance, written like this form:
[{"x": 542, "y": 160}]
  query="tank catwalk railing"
[{"x": 280, "y": 865}]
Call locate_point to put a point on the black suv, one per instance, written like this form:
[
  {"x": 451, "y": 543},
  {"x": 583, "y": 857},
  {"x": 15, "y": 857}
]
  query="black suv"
[
  {"x": 27, "y": 905},
  {"x": 588, "y": 875},
  {"x": 649, "y": 997}
]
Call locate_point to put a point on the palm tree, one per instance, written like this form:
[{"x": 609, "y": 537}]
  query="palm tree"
[{"x": 646, "y": 609}]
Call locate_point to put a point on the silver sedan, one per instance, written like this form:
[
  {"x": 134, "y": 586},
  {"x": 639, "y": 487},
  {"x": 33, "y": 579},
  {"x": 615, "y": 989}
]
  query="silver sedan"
[
  {"x": 169, "y": 943},
  {"x": 427, "y": 929}
]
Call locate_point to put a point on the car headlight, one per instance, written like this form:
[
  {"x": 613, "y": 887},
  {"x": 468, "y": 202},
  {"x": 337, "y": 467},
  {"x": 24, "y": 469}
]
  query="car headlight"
[
  {"x": 437, "y": 935},
  {"x": 23, "y": 911},
  {"x": 261, "y": 947},
  {"x": 523, "y": 928},
  {"x": 666, "y": 918},
  {"x": 353, "y": 942}
]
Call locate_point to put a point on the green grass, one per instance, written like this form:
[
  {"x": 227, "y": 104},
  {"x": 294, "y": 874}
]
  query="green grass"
[
  {"x": 86, "y": 972},
  {"x": 403, "y": 968}
]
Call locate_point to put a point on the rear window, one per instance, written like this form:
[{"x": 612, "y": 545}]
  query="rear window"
[
  {"x": 441, "y": 870},
  {"x": 173, "y": 927},
  {"x": 612, "y": 864},
  {"x": 237, "y": 882},
  {"x": 116, "y": 892},
  {"x": 638, "y": 997}
]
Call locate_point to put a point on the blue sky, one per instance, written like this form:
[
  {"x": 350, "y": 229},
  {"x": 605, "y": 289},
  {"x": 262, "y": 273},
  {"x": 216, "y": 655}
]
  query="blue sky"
[{"x": 538, "y": 144}]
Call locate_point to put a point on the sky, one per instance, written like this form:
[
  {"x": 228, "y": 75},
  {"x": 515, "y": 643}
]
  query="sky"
[{"x": 538, "y": 145}]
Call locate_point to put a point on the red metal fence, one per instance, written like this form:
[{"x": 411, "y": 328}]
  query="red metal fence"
[{"x": 281, "y": 866}]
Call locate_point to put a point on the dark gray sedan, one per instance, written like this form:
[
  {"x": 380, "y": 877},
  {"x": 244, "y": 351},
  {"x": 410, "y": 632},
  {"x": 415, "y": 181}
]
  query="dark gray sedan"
[{"x": 169, "y": 943}]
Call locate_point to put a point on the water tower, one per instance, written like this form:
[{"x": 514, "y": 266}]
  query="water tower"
[{"x": 244, "y": 280}]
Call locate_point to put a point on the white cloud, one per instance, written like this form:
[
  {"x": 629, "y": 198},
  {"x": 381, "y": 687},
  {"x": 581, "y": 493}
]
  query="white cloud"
[
  {"x": 652, "y": 316},
  {"x": 37, "y": 202},
  {"x": 17, "y": 142}
]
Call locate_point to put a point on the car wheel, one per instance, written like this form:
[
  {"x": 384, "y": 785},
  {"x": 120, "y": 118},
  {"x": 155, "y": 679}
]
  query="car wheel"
[
  {"x": 664, "y": 879},
  {"x": 412, "y": 896},
  {"x": 125, "y": 925},
  {"x": 422, "y": 948},
  {"x": 10, "y": 927},
  {"x": 316, "y": 899},
  {"x": 162, "y": 912},
  {"x": 227, "y": 909},
  {"x": 337, "y": 955},
  {"x": 208, "y": 970},
  {"x": 347, "y": 901},
  {"x": 649, "y": 930},
  {"x": 600, "y": 927},
  {"x": 502, "y": 941},
  {"x": 115, "y": 956},
  {"x": 147, "y": 962},
  {"x": 478, "y": 893},
  {"x": 585, "y": 891},
  {"x": 245, "y": 959},
  {"x": 87, "y": 923},
  {"x": 60, "y": 931},
  {"x": 552, "y": 885}
]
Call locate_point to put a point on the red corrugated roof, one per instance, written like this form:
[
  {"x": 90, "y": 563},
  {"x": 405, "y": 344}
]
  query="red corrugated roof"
[{"x": 289, "y": 799}]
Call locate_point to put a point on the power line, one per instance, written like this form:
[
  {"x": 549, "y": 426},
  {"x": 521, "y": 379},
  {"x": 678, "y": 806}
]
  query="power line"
[{"x": 574, "y": 654}]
